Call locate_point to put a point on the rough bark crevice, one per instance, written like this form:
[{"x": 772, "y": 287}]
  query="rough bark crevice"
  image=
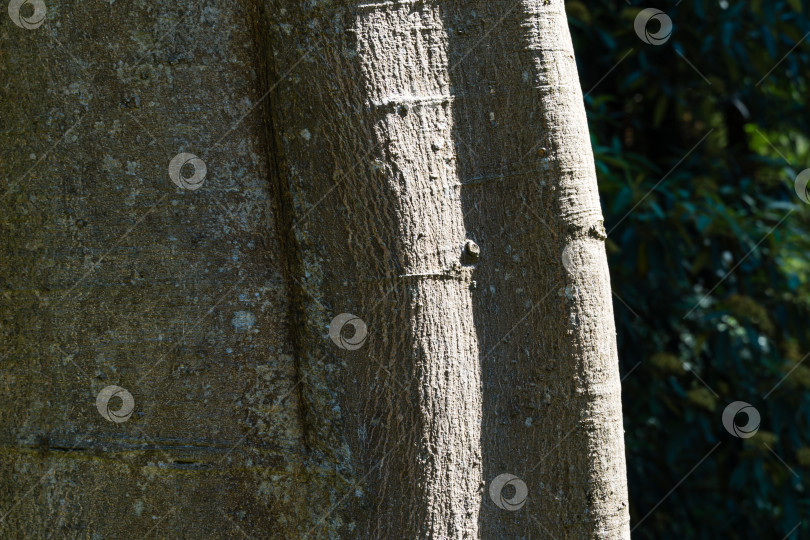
[
  {"x": 287, "y": 248},
  {"x": 327, "y": 469}
]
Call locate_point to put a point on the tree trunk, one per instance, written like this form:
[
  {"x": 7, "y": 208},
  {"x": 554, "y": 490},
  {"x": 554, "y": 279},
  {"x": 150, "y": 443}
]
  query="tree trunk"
[{"x": 420, "y": 174}]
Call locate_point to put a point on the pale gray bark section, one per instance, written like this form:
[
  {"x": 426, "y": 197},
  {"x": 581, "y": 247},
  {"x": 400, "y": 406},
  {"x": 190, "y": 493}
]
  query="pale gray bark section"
[{"x": 404, "y": 59}]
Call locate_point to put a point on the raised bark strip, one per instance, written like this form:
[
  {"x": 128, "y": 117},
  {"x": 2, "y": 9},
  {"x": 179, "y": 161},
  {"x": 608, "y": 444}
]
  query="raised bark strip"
[
  {"x": 368, "y": 157},
  {"x": 404, "y": 58},
  {"x": 551, "y": 392},
  {"x": 600, "y": 458}
]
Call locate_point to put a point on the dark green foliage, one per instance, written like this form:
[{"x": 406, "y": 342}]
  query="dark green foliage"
[{"x": 708, "y": 256}]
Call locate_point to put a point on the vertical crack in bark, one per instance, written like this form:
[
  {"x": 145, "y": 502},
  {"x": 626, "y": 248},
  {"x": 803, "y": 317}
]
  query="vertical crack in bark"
[
  {"x": 327, "y": 474},
  {"x": 281, "y": 197}
]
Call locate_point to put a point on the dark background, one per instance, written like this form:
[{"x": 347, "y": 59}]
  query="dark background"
[{"x": 697, "y": 143}]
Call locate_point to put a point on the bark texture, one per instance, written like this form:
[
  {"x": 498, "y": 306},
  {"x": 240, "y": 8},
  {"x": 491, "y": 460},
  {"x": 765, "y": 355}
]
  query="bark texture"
[
  {"x": 359, "y": 155},
  {"x": 110, "y": 274}
]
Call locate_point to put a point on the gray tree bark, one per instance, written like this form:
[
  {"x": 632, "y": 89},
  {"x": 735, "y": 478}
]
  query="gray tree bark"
[{"x": 424, "y": 168}]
